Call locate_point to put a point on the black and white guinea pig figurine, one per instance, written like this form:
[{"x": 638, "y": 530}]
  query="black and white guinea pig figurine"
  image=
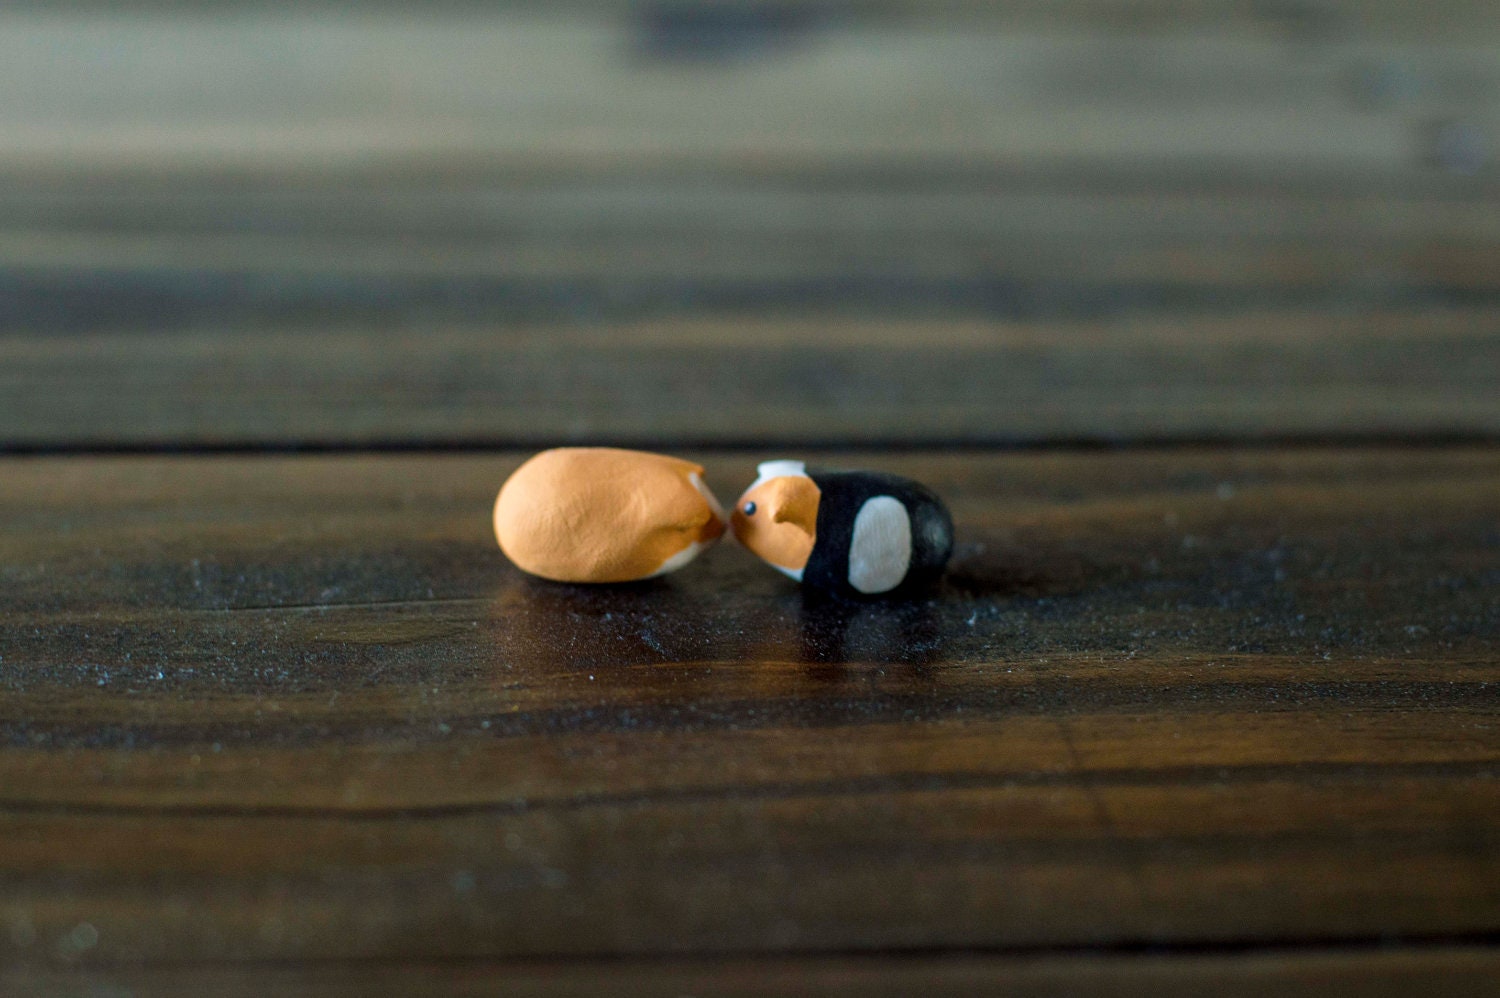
[{"x": 855, "y": 533}]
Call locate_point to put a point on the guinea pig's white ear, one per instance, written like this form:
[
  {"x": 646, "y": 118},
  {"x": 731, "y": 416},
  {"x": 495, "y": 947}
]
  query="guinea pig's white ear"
[{"x": 768, "y": 470}]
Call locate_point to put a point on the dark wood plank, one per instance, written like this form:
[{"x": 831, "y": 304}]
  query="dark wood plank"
[
  {"x": 1025, "y": 304},
  {"x": 1393, "y": 971},
  {"x": 1268, "y": 373},
  {"x": 301, "y": 709}
]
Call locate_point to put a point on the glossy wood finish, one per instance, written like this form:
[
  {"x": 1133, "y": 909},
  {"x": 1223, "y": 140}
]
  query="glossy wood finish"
[{"x": 300, "y": 709}]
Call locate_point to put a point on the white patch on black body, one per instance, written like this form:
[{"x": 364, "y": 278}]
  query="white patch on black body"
[
  {"x": 880, "y": 549},
  {"x": 840, "y": 565}
]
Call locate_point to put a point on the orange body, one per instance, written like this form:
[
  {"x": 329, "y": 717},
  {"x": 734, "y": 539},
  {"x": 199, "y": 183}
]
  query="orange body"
[{"x": 601, "y": 514}]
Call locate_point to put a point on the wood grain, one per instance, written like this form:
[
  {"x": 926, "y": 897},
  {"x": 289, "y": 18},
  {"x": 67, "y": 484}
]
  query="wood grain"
[
  {"x": 1393, "y": 971},
  {"x": 1377, "y": 373},
  {"x": 267, "y": 88},
  {"x": 671, "y": 306},
  {"x": 836, "y": 224},
  {"x": 300, "y": 709},
  {"x": 944, "y": 308}
]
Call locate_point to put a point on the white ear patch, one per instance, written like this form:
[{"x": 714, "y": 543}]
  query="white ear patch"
[
  {"x": 767, "y": 470},
  {"x": 880, "y": 550}
]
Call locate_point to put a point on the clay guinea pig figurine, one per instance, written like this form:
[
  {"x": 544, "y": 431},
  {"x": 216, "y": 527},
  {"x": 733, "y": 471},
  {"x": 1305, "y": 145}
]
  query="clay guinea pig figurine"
[
  {"x": 861, "y": 533},
  {"x": 601, "y": 514}
]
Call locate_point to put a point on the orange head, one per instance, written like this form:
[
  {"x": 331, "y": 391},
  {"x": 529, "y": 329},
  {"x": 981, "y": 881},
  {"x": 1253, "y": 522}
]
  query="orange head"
[{"x": 777, "y": 517}]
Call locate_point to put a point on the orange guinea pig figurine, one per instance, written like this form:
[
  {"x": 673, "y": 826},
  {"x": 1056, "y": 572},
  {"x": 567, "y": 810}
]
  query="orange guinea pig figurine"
[{"x": 601, "y": 514}]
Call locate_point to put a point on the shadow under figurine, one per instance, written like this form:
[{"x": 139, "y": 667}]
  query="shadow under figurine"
[{"x": 853, "y": 533}]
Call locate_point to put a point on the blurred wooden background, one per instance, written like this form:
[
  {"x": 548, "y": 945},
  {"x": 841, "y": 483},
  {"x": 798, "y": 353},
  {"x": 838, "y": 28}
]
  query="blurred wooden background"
[{"x": 509, "y": 223}]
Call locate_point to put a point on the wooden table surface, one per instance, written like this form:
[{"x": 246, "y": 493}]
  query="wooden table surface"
[
  {"x": 1194, "y": 319},
  {"x": 1185, "y": 715}
]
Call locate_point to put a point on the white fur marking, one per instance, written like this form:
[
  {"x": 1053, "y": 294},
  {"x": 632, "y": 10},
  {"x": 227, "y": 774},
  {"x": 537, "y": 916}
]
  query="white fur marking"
[
  {"x": 880, "y": 550},
  {"x": 795, "y": 573},
  {"x": 768, "y": 470},
  {"x": 692, "y": 551},
  {"x": 679, "y": 559},
  {"x": 713, "y": 500}
]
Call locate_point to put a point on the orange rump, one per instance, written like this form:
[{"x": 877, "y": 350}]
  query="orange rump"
[{"x": 602, "y": 514}]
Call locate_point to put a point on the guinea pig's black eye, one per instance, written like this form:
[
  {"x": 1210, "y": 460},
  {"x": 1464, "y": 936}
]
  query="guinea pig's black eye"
[{"x": 749, "y": 509}]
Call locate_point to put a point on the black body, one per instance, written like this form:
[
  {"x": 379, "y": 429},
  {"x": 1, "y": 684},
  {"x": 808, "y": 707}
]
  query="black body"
[{"x": 843, "y": 493}]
